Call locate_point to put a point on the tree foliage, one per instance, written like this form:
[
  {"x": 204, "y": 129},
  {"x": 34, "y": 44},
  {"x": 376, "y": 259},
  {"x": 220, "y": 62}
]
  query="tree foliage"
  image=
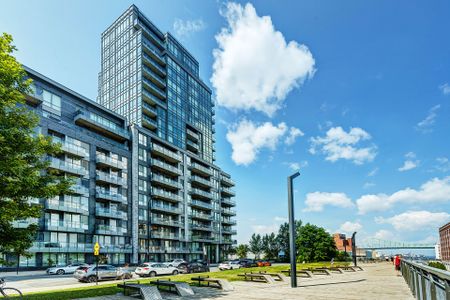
[
  {"x": 315, "y": 244},
  {"x": 256, "y": 245},
  {"x": 242, "y": 250},
  {"x": 271, "y": 246},
  {"x": 283, "y": 237},
  {"x": 23, "y": 174}
]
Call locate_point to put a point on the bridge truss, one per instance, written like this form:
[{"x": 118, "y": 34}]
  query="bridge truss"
[{"x": 378, "y": 244}]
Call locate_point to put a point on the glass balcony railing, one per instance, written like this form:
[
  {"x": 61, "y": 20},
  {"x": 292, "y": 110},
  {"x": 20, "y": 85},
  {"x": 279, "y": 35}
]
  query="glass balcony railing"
[
  {"x": 152, "y": 76},
  {"x": 147, "y": 59},
  {"x": 202, "y": 238},
  {"x": 166, "y": 166},
  {"x": 166, "y": 195},
  {"x": 149, "y": 34},
  {"x": 228, "y": 191},
  {"x": 192, "y": 134},
  {"x": 112, "y": 162},
  {"x": 166, "y": 181},
  {"x": 152, "y": 99},
  {"x": 112, "y": 230},
  {"x": 165, "y": 221},
  {"x": 111, "y": 213},
  {"x": 162, "y": 249},
  {"x": 201, "y": 227},
  {"x": 24, "y": 223},
  {"x": 228, "y": 212},
  {"x": 153, "y": 88},
  {"x": 101, "y": 125},
  {"x": 228, "y": 231},
  {"x": 56, "y": 163},
  {"x": 149, "y": 110},
  {"x": 200, "y": 168},
  {"x": 109, "y": 178},
  {"x": 165, "y": 152},
  {"x": 72, "y": 148},
  {"x": 200, "y": 204},
  {"x": 228, "y": 201},
  {"x": 201, "y": 180},
  {"x": 70, "y": 226},
  {"x": 68, "y": 204},
  {"x": 197, "y": 215},
  {"x": 166, "y": 208},
  {"x": 228, "y": 221},
  {"x": 79, "y": 189},
  {"x": 164, "y": 235},
  {"x": 149, "y": 122},
  {"x": 227, "y": 181},
  {"x": 107, "y": 195},
  {"x": 155, "y": 53},
  {"x": 202, "y": 193}
]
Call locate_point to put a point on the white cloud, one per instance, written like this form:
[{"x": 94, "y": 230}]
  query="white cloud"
[
  {"x": 368, "y": 185},
  {"x": 350, "y": 227},
  {"x": 317, "y": 200},
  {"x": 410, "y": 162},
  {"x": 445, "y": 88},
  {"x": 254, "y": 67},
  {"x": 265, "y": 229},
  {"x": 425, "y": 126},
  {"x": 280, "y": 219},
  {"x": 443, "y": 164},
  {"x": 247, "y": 139},
  {"x": 339, "y": 144},
  {"x": 384, "y": 234},
  {"x": 292, "y": 136},
  {"x": 373, "y": 172},
  {"x": 295, "y": 166},
  {"x": 415, "y": 220},
  {"x": 433, "y": 191},
  {"x": 184, "y": 28}
]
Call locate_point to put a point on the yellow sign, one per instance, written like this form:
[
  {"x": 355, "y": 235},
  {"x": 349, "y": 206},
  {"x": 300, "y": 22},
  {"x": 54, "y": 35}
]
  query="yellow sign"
[{"x": 97, "y": 249}]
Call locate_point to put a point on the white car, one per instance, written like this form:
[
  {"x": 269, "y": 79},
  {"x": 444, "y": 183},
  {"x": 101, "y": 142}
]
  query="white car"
[
  {"x": 153, "y": 269},
  {"x": 175, "y": 262},
  {"x": 62, "y": 269},
  {"x": 229, "y": 265}
]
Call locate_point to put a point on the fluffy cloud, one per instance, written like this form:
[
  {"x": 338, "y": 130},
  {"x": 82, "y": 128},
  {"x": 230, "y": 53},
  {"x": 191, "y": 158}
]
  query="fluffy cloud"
[
  {"x": 350, "y": 227},
  {"x": 433, "y": 191},
  {"x": 295, "y": 166},
  {"x": 265, "y": 229},
  {"x": 247, "y": 139},
  {"x": 339, "y": 144},
  {"x": 410, "y": 162},
  {"x": 187, "y": 27},
  {"x": 415, "y": 220},
  {"x": 292, "y": 136},
  {"x": 368, "y": 185},
  {"x": 384, "y": 235},
  {"x": 425, "y": 126},
  {"x": 254, "y": 67},
  {"x": 317, "y": 200},
  {"x": 445, "y": 88},
  {"x": 443, "y": 164}
]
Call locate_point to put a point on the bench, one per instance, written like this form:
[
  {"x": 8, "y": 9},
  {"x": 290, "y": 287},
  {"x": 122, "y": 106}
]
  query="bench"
[
  {"x": 347, "y": 269},
  {"x": 320, "y": 271},
  {"x": 299, "y": 272},
  {"x": 222, "y": 284},
  {"x": 257, "y": 277},
  {"x": 358, "y": 268},
  {"x": 334, "y": 269},
  {"x": 276, "y": 276},
  {"x": 181, "y": 288},
  {"x": 141, "y": 290}
]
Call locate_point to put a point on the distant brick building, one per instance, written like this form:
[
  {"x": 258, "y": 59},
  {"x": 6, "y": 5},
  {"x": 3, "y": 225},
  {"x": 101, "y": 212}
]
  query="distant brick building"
[
  {"x": 444, "y": 235},
  {"x": 342, "y": 243}
]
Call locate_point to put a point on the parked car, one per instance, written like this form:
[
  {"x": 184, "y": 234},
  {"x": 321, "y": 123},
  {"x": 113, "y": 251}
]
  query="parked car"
[
  {"x": 153, "y": 269},
  {"x": 175, "y": 262},
  {"x": 105, "y": 272},
  {"x": 194, "y": 267},
  {"x": 247, "y": 263},
  {"x": 263, "y": 263},
  {"x": 65, "y": 269},
  {"x": 229, "y": 265}
]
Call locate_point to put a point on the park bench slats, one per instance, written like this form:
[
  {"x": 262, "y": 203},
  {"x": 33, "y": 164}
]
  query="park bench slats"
[
  {"x": 223, "y": 284},
  {"x": 181, "y": 288},
  {"x": 144, "y": 291},
  {"x": 276, "y": 276},
  {"x": 257, "y": 277}
]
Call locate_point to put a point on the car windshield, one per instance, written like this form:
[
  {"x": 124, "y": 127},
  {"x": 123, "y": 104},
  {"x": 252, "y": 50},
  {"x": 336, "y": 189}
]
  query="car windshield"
[{"x": 143, "y": 265}]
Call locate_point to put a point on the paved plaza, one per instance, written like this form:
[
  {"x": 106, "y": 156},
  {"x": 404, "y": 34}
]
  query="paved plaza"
[{"x": 377, "y": 281}]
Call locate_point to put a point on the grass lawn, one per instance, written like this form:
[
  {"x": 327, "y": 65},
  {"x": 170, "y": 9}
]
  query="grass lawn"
[{"x": 111, "y": 289}]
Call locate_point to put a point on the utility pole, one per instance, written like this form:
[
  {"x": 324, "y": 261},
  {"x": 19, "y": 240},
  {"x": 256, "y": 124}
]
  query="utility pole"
[
  {"x": 354, "y": 248},
  {"x": 293, "y": 251}
]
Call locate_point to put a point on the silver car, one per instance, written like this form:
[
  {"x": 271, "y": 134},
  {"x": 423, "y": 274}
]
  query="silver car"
[
  {"x": 62, "y": 269},
  {"x": 105, "y": 272}
]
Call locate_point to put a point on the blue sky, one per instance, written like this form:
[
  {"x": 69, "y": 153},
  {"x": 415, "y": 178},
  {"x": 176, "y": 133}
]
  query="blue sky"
[{"x": 355, "y": 93}]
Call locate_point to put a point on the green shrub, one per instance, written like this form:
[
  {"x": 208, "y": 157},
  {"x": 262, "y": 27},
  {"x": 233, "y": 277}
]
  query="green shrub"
[{"x": 437, "y": 265}]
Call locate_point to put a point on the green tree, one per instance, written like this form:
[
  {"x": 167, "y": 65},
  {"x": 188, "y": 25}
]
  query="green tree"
[
  {"x": 242, "y": 250},
  {"x": 256, "y": 245},
  {"x": 23, "y": 174},
  {"x": 270, "y": 246},
  {"x": 283, "y": 237},
  {"x": 315, "y": 244},
  {"x": 437, "y": 265},
  {"x": 342, "y": 256}
]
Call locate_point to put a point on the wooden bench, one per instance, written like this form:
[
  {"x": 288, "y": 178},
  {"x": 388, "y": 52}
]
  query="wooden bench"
[
  {"x": 259, "y": 277},
  {"x": 334, "y": 269},
  {"x": 347, "y": 269},
  {"x": 318, "y": 271},
  {"x": 276, "y": 276},
  {"x": 299, "y": 272},
  {"x": 222, "y": 284},
  {"x": 181, "y": 288},
  {"x": 357, "y": 268},
  {"x": 140, "y": 290}
]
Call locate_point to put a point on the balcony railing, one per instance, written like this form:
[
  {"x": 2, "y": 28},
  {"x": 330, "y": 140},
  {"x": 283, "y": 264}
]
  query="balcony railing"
[
  {"x": 112, "y": 162},
  {"x": 202, "y": 193},
  {"x": 112, "y": 230},
  {"x": 102, "y": 194},
  {"x": 166, "y": 181},
  {"x": 153, "y": 88},
  {"x": 65, "y": 166},
  {"x": 228, "y": 191},
  {"x": 79, "y": 189},
  {"x": 70, "y": 226},
  {"x": 111, "y": 213},
  {"x": 149, "y": 34},
  {"x": 166, "y": 166},
  {"x": 68, "y": 205},
  {"x": 148, "y": 109},
  {"x": 200, "y": 168},
  {"x": 154, "y": 53},
  {"x": 202, "y": 238},
  {"x": 229, "y": 201},
  {"x": 164, "y": 235},
  {"x": 166, "y": 208},
  {"x": 197, "y": 215},
  {"x": 165, "y": 221},
  {"x": 227, "y": 181},
  {"x": 109, "y": 178},
  {"x": 192, "y": 134},
  {"x": 149, "y": 122},
  {"x": 228, "y": 212},
  {"x": 165, "y": 152},
  {"x": 91, "y": 121},
  {"x": 166, "y": 195},
  {"x": 152, "y": 99},
  {"x": 155, "y": 78},
  {"x": 24, "y": 223},
  {"x": 228, "y": 231},
  {"x": 198, "y": 179},
  {"x": 73, "y": 148},
  {"x": 201, "y": 204},
  {"x": 201, "y": 227},
  {"x": 228, "y": 221},
  {"x": 162, "y": 249}
]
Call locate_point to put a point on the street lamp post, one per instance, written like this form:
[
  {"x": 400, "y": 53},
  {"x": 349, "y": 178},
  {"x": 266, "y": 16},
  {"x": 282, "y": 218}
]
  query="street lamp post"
[
  {"x": 293, "y": 252},
  {"x": 354, "y": 248}
]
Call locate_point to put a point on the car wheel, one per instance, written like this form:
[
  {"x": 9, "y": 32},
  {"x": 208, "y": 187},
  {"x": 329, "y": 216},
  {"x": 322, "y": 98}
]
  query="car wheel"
[
  {"x": 91, "y": 279},
  {"x": 175, "y": 272},
  {"x": 152, "y": 274},
  {"x": 60, "y": 272}
]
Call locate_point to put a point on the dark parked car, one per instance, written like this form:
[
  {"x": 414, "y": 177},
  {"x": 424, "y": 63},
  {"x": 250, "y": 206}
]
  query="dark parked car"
[
  {"x": 194, "y": 267},
  {"x": 248, "y": 263}
]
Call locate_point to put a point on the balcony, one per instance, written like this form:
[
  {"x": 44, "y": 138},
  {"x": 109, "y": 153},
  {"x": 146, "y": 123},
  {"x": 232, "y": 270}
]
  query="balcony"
[
  {"x": 166, "y": 167},
  {"x": 25, "y": 223},
  {"x": 166, "y": 153},
  {"x": 111, "y": 213},
  {"x": 201, "y": 216},
  {"x": 201, "y": 181},
  {"x": 166, "y": 208},
  {"x": 164, "y": 235},
  {"x": 109, "y": 178},
  {"x": 149, "y": 110},
  {"x": 110, "y": 162},
  {"x": 228, "y": 192},
  {"x": 227, "y": 181},
  {"x": 91, "y": 121},
  {"x": 165, "y": 181},
  {"x": 227, "y": 241},
  {"x": 192, "y": 134},
  {"x": 228, "y": 221},
  {"x": 202, "y": 238},
  {"x": 228, "y": 231},
  {"x": 153, "y": 88},
  {"x": 228, "y": 212},
  {"x": 73, "y": 149},
  {"x": 58, "y": 164},
  {"x": 200, "y": 193},
  {"x": 228, "y": 202},
  {"x": 149, "y": 34},
  {"x": 153, "y": 77},
  {"x": 68, "y": 205},
  {"x": 160, "y": 193},
  {"x": 192, "y": 146},
  {"x": 149, "y": 122},
  {"x": 152, "y": 99},
  {"x": 33, "y": 99},
  {"x": 154, "y": 53},
  {"x": 200, "y": 204},
  {"x": 79, "y": 189},
  {"x": 70, "y": 226},
  {"x": 110, "y": 230},
  {"x": 165, "y": 221},
  {"x": 200, "y": 169},
  {"x": 162, "y": 249},
  {"x": 106, "y": 195},
  {"x": 201, "y": 227}
]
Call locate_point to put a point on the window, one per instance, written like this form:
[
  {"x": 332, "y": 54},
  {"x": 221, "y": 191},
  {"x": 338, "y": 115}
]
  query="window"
[
  {"x": 142, "y": 185},
  {"x": 142, "y": 171},
  {"x": 52, "y": 102},
  {"x": 142, "y": 154},
  {"x": 142, "y": 139}
]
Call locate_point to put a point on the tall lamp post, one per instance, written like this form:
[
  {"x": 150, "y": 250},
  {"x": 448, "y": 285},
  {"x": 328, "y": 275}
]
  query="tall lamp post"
[
  {"x": 292, "y": 250},
  {"x": 354, "y": 248}
]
